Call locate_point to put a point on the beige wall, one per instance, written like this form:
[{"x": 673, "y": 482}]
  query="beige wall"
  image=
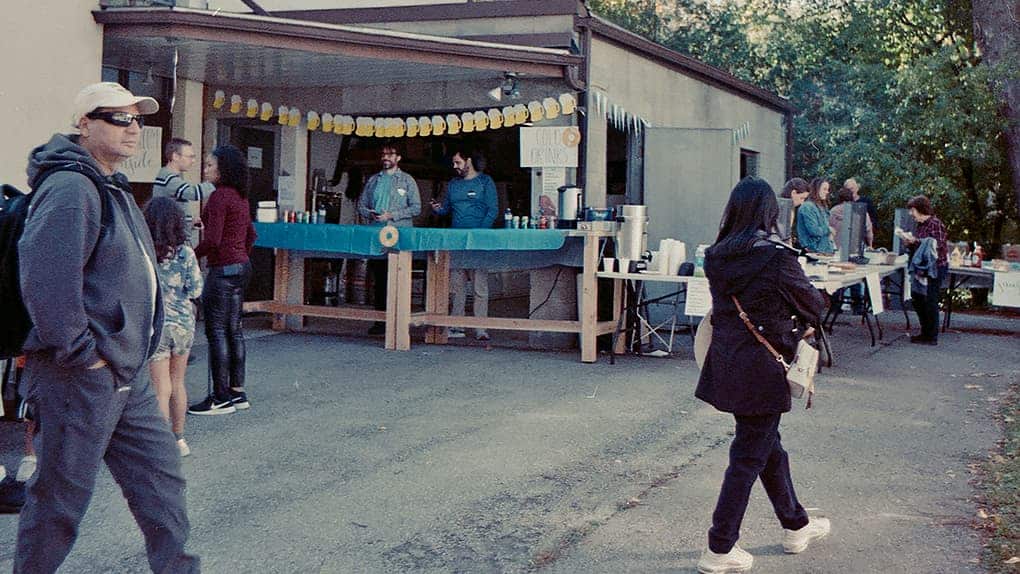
[
  {"x": 51, "y": 49},
  {"x": 667, "y": 98}
]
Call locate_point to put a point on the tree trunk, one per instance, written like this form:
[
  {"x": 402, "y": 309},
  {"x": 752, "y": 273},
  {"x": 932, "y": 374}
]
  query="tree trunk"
[{"x": 997, "y": 32}]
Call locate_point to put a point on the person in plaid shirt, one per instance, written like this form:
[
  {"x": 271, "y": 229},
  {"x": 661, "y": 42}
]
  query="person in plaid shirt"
[{"x": 927, "y": 305}]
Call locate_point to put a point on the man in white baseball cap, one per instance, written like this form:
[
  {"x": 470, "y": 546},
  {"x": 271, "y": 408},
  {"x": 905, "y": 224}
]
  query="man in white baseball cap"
[
  {"x": 86, "y": 265},
  {"x": 109, "y": 95}
]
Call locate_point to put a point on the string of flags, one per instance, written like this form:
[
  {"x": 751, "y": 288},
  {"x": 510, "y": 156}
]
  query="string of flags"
[{"x": 406, "y": 126}]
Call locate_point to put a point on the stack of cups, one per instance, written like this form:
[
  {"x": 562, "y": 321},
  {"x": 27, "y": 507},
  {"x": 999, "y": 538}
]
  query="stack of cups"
[{"x": 672, "y": 254}]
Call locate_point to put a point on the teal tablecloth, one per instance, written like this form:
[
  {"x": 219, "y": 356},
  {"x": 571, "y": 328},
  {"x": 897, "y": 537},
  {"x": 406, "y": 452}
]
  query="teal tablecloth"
[{"x": 364, "y": 239}]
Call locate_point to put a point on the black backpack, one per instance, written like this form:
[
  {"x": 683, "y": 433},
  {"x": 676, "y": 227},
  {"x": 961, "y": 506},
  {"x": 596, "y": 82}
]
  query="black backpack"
[{"x": 13, "y": 211}]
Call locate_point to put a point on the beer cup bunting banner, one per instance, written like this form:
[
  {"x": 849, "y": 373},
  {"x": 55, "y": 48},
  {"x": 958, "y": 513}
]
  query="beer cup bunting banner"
[{"x": 452, "y": 123}]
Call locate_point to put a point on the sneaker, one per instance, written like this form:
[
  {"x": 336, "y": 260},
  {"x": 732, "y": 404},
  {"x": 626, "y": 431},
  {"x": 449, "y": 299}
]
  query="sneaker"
[
  {"x": 736, "y": 560},
  {"x": 240, "y": 400},
  {"x": 27, "y": 468},
  {"x": 482, "y": 336},
  {"x": 377, "y": 328},
  {"x": 183, "y": 448},
  {"x": 12, "y": 496},
  {"x": 455, "y": 334},
  {"x": 796, "y": 541},
  {"x": 212, "y": 406}
]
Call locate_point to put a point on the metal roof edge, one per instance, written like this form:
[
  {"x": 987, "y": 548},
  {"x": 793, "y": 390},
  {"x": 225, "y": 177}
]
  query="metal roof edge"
[
  {"x": 694, "y": 67},
  {"x": 166, "y": 16},
  {"x": 423, "y": 12}
]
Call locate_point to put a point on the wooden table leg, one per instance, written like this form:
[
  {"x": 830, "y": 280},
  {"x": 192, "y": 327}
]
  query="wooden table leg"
[
  {"x": 392, "y": 287},
  {"x": 437, "y": 293},
  {"x": 280, "y": 280},
  {"x": 403, "y": 307},
  {"x": 589, "y": 300},
  {"x": 619, "y": 302}
]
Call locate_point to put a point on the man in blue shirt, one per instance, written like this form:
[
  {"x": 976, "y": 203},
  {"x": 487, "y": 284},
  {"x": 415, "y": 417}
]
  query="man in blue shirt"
[
  {"x": 390, "y": 197},
  {"x": 472, "y": 200}
]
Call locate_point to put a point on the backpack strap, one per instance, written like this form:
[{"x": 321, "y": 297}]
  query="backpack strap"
[{"x": 106, "y": 215}]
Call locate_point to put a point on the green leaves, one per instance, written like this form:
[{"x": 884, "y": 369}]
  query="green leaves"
[{"x": 888, "y": 91}]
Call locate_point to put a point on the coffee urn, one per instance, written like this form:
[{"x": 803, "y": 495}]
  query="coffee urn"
[
  {"x": 569, "y": 207},
  {"x": 632, "y": 237}
]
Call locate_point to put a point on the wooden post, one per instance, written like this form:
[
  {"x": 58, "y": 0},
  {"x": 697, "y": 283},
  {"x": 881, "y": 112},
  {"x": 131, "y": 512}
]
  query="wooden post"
[
  {"x": 402, "y": 316},
  {"x": 437, "y": 294},
  {"x": 280, "y": 280},
  {"x": 392, "y": 287},
  {"x": 589, "y": 299}
]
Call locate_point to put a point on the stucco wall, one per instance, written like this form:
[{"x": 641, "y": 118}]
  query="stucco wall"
[
  {"x": 52, "y": 48},
  {"x": 667, "y": 98}
]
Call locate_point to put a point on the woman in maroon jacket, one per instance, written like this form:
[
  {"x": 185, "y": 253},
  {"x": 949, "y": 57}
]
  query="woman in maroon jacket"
[
  {"x": 227, "y": 242},
  {"x": 740, "y": 376}
]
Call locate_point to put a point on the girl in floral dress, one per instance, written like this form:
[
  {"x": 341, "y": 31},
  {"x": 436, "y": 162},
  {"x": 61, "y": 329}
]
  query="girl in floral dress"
[{"x": 180, "y": 280}]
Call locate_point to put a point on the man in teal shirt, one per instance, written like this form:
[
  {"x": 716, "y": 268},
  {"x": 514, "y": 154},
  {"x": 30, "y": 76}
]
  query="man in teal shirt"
[
  {"x": 390, "y": 197},
  {"x": 471, "y": 198}
]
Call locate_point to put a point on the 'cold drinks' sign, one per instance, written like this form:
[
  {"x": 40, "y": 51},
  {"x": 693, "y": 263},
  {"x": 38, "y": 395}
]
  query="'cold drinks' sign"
[{"x": 550, "y": 147}]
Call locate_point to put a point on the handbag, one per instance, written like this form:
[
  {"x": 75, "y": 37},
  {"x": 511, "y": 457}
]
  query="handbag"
[{"x": 800, "y": 373}]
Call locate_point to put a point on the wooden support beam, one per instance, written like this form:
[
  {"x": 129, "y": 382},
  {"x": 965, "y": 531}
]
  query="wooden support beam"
[{"x": 437, "y": 293}]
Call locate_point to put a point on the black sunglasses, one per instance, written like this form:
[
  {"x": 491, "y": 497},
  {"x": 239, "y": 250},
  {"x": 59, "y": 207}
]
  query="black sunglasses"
[{"x": 122, "y": 119}]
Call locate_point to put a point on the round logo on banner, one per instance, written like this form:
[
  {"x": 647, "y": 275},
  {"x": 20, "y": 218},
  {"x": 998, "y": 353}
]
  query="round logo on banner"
[
  {"x": 571, "y": 136},
  {"x": 388, "y": 236}
]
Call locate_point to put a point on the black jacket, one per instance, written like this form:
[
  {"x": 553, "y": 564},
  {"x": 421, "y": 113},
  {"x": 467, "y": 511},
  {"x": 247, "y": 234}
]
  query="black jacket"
[{"x": 740, "y": 375}]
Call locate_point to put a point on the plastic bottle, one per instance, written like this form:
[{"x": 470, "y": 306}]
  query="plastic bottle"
[
  {"x": 508, "y": 218},
  {"x": 699, "y": 261},
  {"x": 956, "y": 258}
]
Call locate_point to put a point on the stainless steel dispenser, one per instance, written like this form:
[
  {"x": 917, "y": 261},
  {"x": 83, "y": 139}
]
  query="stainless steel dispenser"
[
  {"x": 569, "y": 206},
  {"x": 632, "y": 237}
]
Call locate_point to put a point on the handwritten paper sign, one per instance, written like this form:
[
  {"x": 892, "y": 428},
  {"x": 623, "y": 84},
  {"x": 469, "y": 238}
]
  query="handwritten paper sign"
[
  {"x": 699, "y": 299},
  {"x": 1006, "y": 289},
  {"x": 550, "y": 146},
  {"x": 875, "y": 292},
  {"x": 146, "y": 163},
  {"x": 255, "y": 157}
]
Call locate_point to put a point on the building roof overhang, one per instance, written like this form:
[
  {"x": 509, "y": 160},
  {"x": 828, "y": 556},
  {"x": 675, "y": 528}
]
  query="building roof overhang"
[
  {"x": 243, "y": 49},
  {"x": 685, "y": 64}
]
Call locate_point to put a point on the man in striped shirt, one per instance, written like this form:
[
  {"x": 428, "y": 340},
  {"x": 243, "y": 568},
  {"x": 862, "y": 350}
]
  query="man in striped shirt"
[{"x": 180, "y": 157}]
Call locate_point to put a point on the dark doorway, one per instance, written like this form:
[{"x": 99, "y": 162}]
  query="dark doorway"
[{"x": 262, "y": 179}]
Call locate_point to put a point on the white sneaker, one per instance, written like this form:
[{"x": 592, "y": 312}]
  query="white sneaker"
[
  {"x": 796, "y": 541},
  {"x": 182, "y": 446},
  {"x": 482, "y": 336},
  {"x": 455, "y": 334},
  {"x": 27, "y": 468},
  {"x": 736, "y": 560}
]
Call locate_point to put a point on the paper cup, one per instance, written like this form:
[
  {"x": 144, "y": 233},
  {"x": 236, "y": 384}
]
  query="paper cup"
[
  {"x": 624, "y": 265},
  {"x": 608, "y": 264}
]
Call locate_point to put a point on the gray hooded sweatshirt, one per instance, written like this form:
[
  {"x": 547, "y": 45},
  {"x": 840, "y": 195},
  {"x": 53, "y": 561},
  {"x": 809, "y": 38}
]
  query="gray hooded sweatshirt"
[{"x": 90, "y": 289}]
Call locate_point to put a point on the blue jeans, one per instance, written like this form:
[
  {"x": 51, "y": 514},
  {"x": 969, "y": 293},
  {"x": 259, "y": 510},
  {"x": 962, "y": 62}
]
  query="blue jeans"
[{"x": 756, "y": 452}]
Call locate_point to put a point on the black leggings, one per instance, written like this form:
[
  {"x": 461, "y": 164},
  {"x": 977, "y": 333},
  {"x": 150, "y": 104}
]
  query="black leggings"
[{"x": 222, "y": 300}]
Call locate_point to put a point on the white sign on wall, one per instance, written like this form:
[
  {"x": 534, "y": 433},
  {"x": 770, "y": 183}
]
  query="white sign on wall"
[
  {"x": 550, "y": 146},
  {"x": 255, "y": 157},
  {"x": 144, "y": 166}
]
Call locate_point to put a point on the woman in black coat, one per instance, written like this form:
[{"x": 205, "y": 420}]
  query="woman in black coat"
[{"x": 740, "y": 376}]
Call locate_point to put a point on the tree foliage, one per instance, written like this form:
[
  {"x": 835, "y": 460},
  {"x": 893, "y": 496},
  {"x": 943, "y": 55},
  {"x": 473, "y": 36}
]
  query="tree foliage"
[{"x": 892, "y": 92}]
